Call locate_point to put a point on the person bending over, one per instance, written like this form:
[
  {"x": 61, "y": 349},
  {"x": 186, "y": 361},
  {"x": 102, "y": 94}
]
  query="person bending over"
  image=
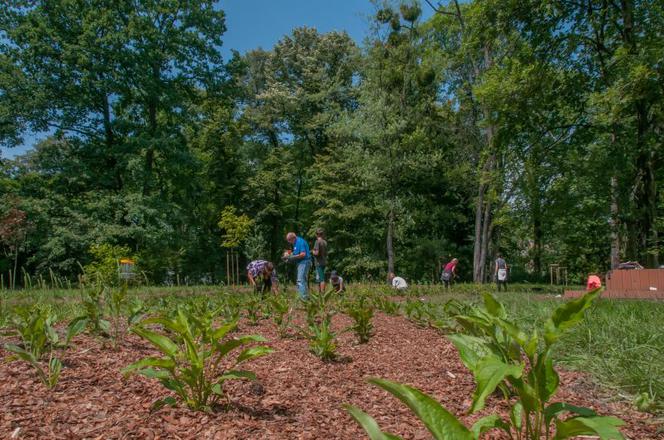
[
  {"x": 337, "y": 282},
  {"x": 262, "y": 276}
]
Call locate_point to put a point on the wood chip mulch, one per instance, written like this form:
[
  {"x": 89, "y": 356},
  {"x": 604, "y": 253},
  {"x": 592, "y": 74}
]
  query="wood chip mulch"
[{"x": 296, "y": 397}]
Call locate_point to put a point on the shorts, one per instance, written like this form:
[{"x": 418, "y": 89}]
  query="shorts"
[{"x": 320, "y": 274}]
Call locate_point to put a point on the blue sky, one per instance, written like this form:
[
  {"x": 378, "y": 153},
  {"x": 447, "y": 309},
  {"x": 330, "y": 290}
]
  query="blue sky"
[{"x": 261, "y": 23}]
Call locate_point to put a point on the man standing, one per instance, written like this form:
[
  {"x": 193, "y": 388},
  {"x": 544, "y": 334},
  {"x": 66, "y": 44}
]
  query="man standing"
[
  {"x": 320, "y": 256},
  {"x": 262, "y": 275},
  {"x": 302, "y": 258},
  {"x": 501, "y": 273}
]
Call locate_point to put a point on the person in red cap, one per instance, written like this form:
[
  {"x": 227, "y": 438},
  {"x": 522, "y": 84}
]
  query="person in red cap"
[{"x": 593, "y": 282}]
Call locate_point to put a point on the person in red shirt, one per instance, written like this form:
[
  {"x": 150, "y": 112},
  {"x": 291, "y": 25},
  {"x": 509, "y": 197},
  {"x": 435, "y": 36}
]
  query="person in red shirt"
[
  {"x": 593, "y": 282},
  {"x": 449, "y": 273}
]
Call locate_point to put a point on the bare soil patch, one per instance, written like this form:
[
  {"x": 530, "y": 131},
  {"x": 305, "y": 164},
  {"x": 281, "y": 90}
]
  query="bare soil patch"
[{"x": 297, "y": 396}]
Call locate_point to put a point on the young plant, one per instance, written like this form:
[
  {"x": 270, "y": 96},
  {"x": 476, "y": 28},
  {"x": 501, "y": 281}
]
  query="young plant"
[
  {"x": 39, "y": 339},
  {"x": 528, "y": 372},
  {"x": 281, "y": 313},
  {"x": 195, "y": 361},
  {"x": 119, "y": 307},
  {"x": 254, "y": 309},
  {"x": 361, "y": 311},
  {"x": 386, "y": 306},
  {"x": 322, "y": 340},
  {"x": 93, "y": 312}
]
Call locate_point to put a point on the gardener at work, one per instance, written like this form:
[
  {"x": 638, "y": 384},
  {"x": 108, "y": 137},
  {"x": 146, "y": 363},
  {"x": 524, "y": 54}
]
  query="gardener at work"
[
  {"x": 449, "y": 273},
  {"x": 263, "y": 272},
  {"x": 397, "y": 282},
  {"x": 501, "y": 272},
  {"x": 337, "y": 282},
  {"x": 320, "y": 257},
  {"x": 301, "y": 256}
]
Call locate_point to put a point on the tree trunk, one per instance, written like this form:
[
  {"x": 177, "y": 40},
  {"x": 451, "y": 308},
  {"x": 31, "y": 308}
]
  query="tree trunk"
[
  {"x": 15, "y": 266},
  {"x": 615, "y": 224},
  {"x": 479, "y": 204},
  {"x": 390, "y": 241},
  {"x": 486, "y": 239}
]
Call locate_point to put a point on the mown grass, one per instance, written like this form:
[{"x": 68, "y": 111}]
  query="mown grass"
[{"x": 620, "y": 343}]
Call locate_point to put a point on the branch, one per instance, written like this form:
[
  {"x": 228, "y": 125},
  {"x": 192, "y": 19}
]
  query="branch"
[{"x": 438, "y": 10}]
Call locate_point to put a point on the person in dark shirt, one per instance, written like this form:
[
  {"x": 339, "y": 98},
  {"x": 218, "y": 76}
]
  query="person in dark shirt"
[
  {"x": 320, "y": 257},
  {"x": 501, "y": 273}
]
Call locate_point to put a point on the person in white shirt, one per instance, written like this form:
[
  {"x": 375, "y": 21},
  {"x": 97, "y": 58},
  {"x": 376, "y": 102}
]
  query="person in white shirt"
[{"x": 397, "y": 282}]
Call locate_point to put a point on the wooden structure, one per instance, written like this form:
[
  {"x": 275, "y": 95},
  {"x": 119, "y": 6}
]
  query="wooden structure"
[
  {"x": 631, "y": 284},
  {"x": 558, "y": 274}
]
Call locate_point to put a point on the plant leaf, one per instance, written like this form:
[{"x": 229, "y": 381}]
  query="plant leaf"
[
  {"x": 605, "y": 427},
  {"x": 556, "y": 408},
  {"x": 148, "y": 362},
  {"x": 441, "y": 423},
  {"x": 493, "y": 306},
  {"x": 471, "y": 349},
  {"x": 490, "y": 372},
  {"x": 163, "y": 402},
  {"x": 238, "y": 374},
  {"x": 516, "y": 416},
  {"x": 253, "y": 352},
  {"x": 369, "y": 424},
  {"x": 489, "y": 422},
  {"x": 163, "y": 343},
  {"x": 567, "y": 315}
]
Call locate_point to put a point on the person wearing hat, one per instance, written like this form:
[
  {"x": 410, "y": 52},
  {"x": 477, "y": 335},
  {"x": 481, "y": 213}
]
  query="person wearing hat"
[{"x": 337, "y": 282}]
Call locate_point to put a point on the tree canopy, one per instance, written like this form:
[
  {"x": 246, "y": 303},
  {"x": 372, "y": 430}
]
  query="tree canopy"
[{"x": 532, "y": 129}]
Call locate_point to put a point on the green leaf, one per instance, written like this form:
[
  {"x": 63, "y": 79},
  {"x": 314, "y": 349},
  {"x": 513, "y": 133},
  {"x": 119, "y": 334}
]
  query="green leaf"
[
  {"x": 604, "y": 427},
  {"x": 253, "y": 352},
  {"x": 489, "y": 422},
  {"x": 369, "y": 424},
  {"x": 515, "y": 332},
  {"x": 76, "y": 327},
  {"x": 441, "y": 423},
  {"x": 238, "y": 374},
  {"x": 163, "y": 402},
  {"x": 163, "y": 343},
  {"x": 567, "y": 315},
  {"x": 230, "y": 345},
  {"x": 104, "y": 325},
  {"x": 471, "y": 349},
  {"x": 493, "y": 306},
  {"x": 149, "y": 362},
  {"x": 490, "y": 372},
  {"x": 556, "y": 408},
  {"x": 154, "y": 374},
  {"x": 220, "y": 332},
  {"x": 21, "y": 353},
  {"x": 547, "y": 377},
  {"x": 516, "y": 416}
]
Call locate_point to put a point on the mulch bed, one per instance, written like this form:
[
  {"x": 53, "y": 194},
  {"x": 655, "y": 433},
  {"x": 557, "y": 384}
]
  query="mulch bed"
[{"x": 297, "y": 396}]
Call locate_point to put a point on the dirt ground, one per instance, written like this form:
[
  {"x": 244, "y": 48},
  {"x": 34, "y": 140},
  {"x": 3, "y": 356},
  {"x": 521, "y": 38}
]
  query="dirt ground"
[{"x": 296, "y": 397}]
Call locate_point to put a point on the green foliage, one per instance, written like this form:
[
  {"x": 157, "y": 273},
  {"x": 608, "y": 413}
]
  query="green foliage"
[
  {"x": 93, "y": 317},
  {"x": 236, "y": 227},
  {"x": 39, "y": 339},
  {"x": 196, "y": 357},
  {"x": 496, "y": 358},
  {"x": 280, "y": 309},
  {"x": 254, "y": 309},
  {"x": 322, "y": 340},
  {"x": 104, "y": 269},
  {"x": 360, "y": 309}
]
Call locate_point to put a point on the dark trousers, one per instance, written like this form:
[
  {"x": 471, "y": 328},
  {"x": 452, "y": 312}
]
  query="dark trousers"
[{"x": 502, "y": 283}]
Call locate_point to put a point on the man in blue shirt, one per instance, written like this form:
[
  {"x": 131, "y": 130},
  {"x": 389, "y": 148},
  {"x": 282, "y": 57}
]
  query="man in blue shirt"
[{"x": 302, "y": 258}]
